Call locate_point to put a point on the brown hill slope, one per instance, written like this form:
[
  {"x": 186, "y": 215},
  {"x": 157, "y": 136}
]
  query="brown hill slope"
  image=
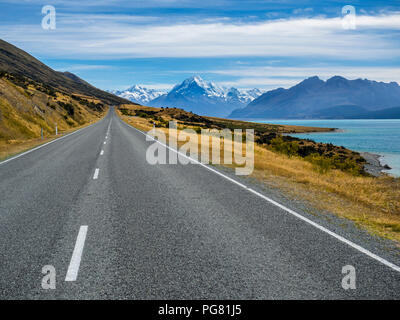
[
  {"x": 16, "y": 61},
  {"x": 35, "y": 97},
  {"x": 27, "y": 106}
]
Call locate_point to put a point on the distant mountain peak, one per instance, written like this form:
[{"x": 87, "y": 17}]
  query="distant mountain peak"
[
  {"x": 139, "y": 94},
  {"x": 313, "y": 78},
  {"x": 195, "y": 86},
  {"x": 199, "y": 80},
  {"x": 192, "y": 81},
  {"x": 205, "y": 98},
  {"x": 193, "y": 94},
  {"x": 337, "y": 78},
  {"x": 315, "y": 98},
  {"x": 136, "y": 87}
]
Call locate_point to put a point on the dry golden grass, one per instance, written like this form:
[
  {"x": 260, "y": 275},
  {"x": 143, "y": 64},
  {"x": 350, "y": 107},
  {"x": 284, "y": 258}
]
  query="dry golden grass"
[
  {"x": 24, "y": 112},
  {"x": 8, "y": 150},
  {"x": 15, "y": 147},
  {"x": 372, "y": 203},
  {"x": 281, "y": 128},
  {"x": 174, "y": 113}
]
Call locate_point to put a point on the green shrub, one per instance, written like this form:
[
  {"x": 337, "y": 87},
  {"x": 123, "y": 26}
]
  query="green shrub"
[
  {"x": 125, "y": 112},
  {"x": 289, "y": 148},
  {"x": 321, "y": 163},
  {"x": 68, "y": 107},
  {"x": 198, "y": 130}
]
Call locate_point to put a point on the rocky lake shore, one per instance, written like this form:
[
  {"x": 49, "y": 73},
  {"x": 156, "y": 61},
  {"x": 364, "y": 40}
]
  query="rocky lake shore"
[{"x": 373, "y": 166}]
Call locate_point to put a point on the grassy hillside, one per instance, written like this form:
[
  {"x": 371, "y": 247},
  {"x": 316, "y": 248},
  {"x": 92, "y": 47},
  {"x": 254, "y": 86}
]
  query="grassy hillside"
[
  {"x": 16, "y": 61},
  {"x": 27, "y": 106},
  {"x": 35, "y": 97}
]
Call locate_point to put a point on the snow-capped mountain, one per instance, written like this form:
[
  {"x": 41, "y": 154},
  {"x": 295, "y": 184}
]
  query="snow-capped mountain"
[
  {"x": 243, "y": 96},
  {"x": 250, "y": 95},
  {"x": 193, "y": 94},
  {"x": 196, "y": 85},
  {"x": 205, "y": 98},
  {"x": 139, "y": 94}
]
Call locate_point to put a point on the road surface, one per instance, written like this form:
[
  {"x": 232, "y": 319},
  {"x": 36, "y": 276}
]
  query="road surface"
[{"x": 115, "y": 227}]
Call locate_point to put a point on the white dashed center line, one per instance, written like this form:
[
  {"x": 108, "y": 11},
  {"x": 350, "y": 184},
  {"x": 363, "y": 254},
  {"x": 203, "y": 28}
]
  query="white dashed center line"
[
  {"x": 73, "y": 268},
  {"x": 96, "y": 174},
  {"x": 102, "y": 152},
  {"x": 105, "y": 142}
]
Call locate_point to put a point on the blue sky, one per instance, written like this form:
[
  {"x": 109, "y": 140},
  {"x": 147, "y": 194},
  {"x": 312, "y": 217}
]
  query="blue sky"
[{"x": 246, "y": 44}]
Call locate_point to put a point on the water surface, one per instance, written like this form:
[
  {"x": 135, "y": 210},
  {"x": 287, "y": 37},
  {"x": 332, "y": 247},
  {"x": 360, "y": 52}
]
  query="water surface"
[{"x": 375, "y": 136}]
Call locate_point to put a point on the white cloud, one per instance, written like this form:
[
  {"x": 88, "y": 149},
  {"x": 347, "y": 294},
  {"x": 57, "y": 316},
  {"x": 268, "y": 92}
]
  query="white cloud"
[
  {"x": 303, "y": 10},
  {"x": 261, "y": 83},
  {"x": 99, "y": 36},
  {"x": 274, "y": 77},
  {"x": 376, "y": 73},
  {"x": 158, "y": 86},
  {"x": 81, "y": 67}
]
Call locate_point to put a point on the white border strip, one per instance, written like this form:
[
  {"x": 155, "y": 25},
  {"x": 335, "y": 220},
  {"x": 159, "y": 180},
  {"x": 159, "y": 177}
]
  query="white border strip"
[
  {"x": 294, "y": 213},
  {"x": 73, "y": 269}
]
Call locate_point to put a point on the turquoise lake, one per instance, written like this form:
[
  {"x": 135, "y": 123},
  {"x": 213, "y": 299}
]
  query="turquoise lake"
[{"x": 375, "y": 136}]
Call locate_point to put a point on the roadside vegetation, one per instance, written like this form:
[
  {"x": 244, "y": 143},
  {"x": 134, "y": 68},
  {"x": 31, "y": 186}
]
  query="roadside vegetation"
[
  {"x": 28, "y": 106},
  {"x": 329, "y": 178},
  {"x": 323, "y": 156}
]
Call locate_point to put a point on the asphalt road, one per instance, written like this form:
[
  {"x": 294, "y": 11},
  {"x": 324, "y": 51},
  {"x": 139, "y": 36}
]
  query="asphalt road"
[{"x": 160, "y": 231}]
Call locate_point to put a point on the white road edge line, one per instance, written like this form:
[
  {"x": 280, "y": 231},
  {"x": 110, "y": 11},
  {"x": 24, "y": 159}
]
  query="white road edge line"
[
  {"x": 73, "y": 269},
  {"x": 294, "y": 213},
  {"x": 96, "y": 174},
  {"x": 46, "y": 144}
]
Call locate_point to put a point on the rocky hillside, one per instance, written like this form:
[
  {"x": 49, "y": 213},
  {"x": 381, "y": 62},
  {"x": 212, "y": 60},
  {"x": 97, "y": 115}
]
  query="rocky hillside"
[
  {"x": 34, "y": 96},
  {"x": 26, "y": 106},
  {"x": 16, "y": 61}
]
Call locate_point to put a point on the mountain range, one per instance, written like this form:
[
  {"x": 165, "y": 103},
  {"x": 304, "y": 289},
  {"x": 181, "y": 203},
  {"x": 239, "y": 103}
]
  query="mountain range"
[
  {"x": 312, "y": 98},
  {"x": 30, "y": 88},
  {"x": 335, "y": 98},
  {"x": 139, "y": 94},
  {"x": 195, "y": 95}
]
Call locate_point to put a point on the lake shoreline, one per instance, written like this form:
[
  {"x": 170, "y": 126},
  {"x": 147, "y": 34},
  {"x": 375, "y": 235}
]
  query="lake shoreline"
[
  {"x": 378, "y": 137},
  {"x": 374, "y": 165}
]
